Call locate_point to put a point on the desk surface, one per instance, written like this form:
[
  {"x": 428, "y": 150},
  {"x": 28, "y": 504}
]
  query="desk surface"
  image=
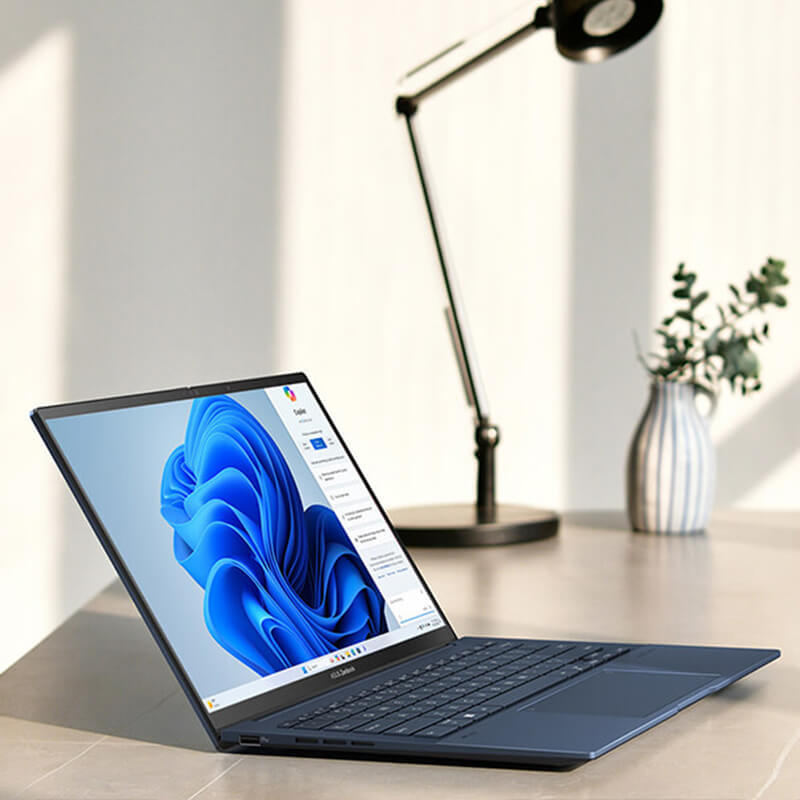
[{"x": 94, "y": 712}]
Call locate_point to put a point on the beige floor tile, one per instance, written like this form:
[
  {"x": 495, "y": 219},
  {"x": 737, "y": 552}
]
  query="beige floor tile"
[
  {"x": 26, "y": 761},
  {"x": 133, "y": 772}
]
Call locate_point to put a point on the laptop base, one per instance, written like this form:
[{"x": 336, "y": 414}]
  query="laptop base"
[{"x": 491, "y": 707}]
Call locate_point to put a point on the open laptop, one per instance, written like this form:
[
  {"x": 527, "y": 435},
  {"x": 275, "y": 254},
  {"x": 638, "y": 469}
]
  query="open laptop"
[{"x": 294, "y": 618}]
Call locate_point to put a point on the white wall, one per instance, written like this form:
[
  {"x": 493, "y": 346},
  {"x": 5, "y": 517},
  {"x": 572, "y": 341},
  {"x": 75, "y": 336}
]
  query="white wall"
[
  {"x": 728, "y": 172},
  {"x": 568, "y": 193},
  {"x": 361, "y": 293},
  {"x": 194, "y": 191},
  {"x": 139, "y": 222}
]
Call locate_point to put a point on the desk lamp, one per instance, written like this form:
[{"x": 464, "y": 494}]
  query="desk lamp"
[{"x": 585, "y": 30}]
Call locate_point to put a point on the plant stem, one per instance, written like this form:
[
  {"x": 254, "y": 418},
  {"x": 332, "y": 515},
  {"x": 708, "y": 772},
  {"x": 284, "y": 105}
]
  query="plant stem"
[{"x": 691, "y": 336}]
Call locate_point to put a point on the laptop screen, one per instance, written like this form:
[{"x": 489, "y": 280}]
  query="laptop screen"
[{"x": 249, "y": 533}]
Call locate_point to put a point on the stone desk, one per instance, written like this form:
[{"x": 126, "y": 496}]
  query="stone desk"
[{"x": 94, "y": 712}]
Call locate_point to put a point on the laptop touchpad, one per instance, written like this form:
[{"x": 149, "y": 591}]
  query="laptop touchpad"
[{"x": 622, "y": 694}]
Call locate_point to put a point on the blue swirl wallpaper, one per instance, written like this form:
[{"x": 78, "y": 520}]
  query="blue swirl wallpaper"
[{"x": 282, "y": 584}]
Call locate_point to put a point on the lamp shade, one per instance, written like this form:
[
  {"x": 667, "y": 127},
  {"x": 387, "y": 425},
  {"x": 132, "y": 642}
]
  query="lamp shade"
[{"x": 593, "y": 30}]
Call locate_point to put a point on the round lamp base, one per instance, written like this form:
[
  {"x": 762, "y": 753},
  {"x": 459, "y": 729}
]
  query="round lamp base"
[{"x": 461, "y": 525}]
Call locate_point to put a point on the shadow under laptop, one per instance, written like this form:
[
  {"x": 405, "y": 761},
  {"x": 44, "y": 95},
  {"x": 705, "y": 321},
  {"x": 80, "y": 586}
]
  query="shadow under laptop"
[{"x": 101, "y": 671}]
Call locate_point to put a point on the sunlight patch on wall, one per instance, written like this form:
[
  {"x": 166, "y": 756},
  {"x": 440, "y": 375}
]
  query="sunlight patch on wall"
[{"x": 35, "y": 93}]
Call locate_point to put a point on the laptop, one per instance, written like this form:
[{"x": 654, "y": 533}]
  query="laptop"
[{"x": 294, "y": 618}]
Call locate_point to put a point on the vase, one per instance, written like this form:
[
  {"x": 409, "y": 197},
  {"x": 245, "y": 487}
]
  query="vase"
[{"x": 671, "y": 468}]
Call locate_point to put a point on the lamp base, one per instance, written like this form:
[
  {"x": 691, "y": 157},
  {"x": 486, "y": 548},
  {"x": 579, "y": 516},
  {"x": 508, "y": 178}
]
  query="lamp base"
[{"x": 461, "y": 525}]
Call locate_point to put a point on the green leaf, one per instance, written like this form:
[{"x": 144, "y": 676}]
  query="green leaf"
[
  {"x": 748, "y": 364},
  {"x": 670, "y": 341},
  {"x": 682, "y": 314},
  {"x": 681, "y": 294},
  {"x": 765, "y": 329},
  {"x": 779, "y": 300},
  {"x": 697, "y": 299},
  {"x": 735, "y": 292}
]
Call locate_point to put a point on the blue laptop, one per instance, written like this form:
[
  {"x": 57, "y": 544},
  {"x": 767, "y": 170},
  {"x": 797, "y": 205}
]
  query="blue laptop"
[{"x": 294, "y": 618}]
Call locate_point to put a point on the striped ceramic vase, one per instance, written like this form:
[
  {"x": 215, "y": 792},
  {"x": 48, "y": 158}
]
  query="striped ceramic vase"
[{"x": 671, "y": 466}]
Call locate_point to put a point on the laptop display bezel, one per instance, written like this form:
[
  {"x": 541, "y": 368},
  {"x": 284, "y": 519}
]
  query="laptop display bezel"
[{"x": 272, "y": 700}]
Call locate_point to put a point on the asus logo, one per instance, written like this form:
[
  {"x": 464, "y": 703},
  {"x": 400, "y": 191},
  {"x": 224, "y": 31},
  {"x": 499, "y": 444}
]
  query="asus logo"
[{"x": 340, "y": 673}]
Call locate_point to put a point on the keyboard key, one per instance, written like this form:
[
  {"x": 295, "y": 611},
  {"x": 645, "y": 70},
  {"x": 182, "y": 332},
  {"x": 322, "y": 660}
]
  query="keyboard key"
[
  {"x": 451, "y": 694},
  {"x": 485, "y": 709},
  {"x": 423, "y": 707},
  {"x": 410, "y": 727},
  {"x": 344, "y": 724},
  {"x": 317, "y": 723},
  {"x": 470, "y": 715},
  {"x": 530, "y": 688},
  {"x": 531, "y": 647},
  {"x": 617, "y": 651},
  {"x": 358, "y": 719},
  {"x": 457, "y": 721},
  {"x": 376, "y": 726},
  {"x": 487, "y": 693},
  {"x": 457, "y": 707}
]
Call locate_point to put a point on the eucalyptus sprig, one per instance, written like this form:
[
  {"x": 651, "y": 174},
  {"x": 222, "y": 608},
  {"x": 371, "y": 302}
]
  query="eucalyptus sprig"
[{"x": 694, "y": 351}]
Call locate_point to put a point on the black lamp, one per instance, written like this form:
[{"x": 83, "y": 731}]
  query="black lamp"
[{"x": 585, "y": 30}]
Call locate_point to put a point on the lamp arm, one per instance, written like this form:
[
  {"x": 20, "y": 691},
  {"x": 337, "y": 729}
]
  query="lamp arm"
[
  {"x": 487, "y": 435},
  {"x": 456, "y": 317},
  {"x": 457, "y": 60}
]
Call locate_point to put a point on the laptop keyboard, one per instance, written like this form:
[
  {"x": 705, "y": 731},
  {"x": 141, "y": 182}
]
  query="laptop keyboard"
[{"x": 451, "y": 692}]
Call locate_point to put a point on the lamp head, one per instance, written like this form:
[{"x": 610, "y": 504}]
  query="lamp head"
[{"x": 593, "y": 30}]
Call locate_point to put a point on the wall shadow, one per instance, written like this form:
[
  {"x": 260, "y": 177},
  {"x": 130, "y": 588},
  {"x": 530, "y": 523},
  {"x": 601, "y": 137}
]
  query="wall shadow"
[
  {"x": 611, "y": 279},
  {"x": 174, "y": 213},
  {"x": 755, "y": 448},
  {"x": 172, "y": 207},
  {"x": 102, "y": 672}
]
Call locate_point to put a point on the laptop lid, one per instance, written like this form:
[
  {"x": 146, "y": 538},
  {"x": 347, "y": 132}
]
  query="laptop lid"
[{"x": 248, "y": 538}]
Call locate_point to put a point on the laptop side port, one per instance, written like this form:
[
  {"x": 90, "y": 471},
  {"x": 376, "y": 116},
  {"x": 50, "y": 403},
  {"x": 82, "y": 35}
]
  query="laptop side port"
[{"x": 250, "y": 741}]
